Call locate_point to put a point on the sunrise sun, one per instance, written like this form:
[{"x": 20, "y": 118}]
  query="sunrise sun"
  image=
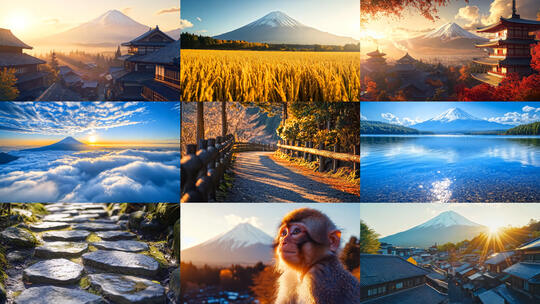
[{"x": 92, "y": 139}]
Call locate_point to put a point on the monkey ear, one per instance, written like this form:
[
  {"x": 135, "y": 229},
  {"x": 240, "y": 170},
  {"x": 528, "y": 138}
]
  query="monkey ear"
[{"x": 334, "y": 237}]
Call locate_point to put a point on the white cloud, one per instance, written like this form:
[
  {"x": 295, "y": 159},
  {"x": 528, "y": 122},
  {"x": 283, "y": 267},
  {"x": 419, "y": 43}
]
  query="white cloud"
[
  {"x": 185, "y": 24},
  {"x": 233, "y": 220},
  {"x": 362, "y": 117},
  {"x": 92, "y": 176},
  {"x": 405, "y": 121},
  {"x": 528, "y": 9},
  {"x": 516, "y": 118},
  {"x": 199, "y": 18},
  {"x": 529, "y": 108}
]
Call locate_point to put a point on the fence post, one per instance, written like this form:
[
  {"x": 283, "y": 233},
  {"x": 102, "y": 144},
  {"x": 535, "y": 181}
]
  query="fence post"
[
  {"x": 306, "y": 144},
  {"x": 356, "y": 151},
  {"x": 321, "y": 159},
  {"x": 212, "y": 172},
  {"x": 335, "y": 162}
]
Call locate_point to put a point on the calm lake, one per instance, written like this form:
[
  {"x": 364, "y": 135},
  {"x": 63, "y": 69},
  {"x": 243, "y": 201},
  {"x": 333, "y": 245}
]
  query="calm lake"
[{"x": 449, "y": 168}]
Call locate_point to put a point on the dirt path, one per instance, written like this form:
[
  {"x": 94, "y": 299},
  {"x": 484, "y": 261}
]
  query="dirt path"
[{"x": 259, "y": 178}]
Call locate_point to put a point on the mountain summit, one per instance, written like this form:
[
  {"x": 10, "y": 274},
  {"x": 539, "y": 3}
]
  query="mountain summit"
[
  {"x": 277, "y": 27},
  {"x": 109, "y": 29},
  {"x": 450, "y": 31},
  {"x": 446, "y": 227},
  {"x": 244, "y": 244},
  {"x": 67, "y": 144},
  {"x": 455, "y": 120}
]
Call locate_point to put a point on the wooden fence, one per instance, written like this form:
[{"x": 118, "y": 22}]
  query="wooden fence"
[
  {"x": 253, "y": 146},
  {"x": 309, "y": 153},
  {"x": 202, "y": 170}
]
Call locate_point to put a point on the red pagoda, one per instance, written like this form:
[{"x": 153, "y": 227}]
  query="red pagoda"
[
  {"x": 510, "y": 48},
  {"x": 376, "y": 61}
]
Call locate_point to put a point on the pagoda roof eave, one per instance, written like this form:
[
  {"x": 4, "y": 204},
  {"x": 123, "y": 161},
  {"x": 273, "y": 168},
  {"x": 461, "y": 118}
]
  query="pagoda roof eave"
[
  {"x": 486, "y": 78},
  {"x": 535, "y": 25},
  {"x": 505, "y": 42}
]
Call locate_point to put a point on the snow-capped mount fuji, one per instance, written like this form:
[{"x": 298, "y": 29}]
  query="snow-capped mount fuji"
[
  {"x": 449, "y": 37},
  {"x": 244, "y": 244},
  {"x": 67, "y": 144},
  {"x": 109, "y": 29},
  {"x": 450, "y": 31},
  {"x": 277, "y": 27},
  {"x": 448, "y": 226},
  {"x": 455, "y": 120}
]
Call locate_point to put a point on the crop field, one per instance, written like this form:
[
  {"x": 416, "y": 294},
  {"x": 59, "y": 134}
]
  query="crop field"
[{"x": 217, "y": 75}]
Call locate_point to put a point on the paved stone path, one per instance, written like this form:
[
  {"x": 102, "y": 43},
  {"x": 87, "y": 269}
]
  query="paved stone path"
[
  {"x": 260, "y": 179},
  {"x": 83, "y": 255}
]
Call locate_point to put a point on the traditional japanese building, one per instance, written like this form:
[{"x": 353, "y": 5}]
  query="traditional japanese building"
[
  {"x": 30, "y": 80},
  {"x": 509, "y": 48},
  {"x": 165, "y": 86},
  {"x": 376, "y": 62},
  {"x": 386, "y": 279},
  {"x": 138, "y": 69}
]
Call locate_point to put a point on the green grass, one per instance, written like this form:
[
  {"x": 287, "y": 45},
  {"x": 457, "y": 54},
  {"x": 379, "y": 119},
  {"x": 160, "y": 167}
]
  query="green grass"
[
  {"x": 154, "y": 252},
  {"x": 84, "y": 283},
  {"x": 93, "y": 238},
  {"x": 3, "y": 264}
]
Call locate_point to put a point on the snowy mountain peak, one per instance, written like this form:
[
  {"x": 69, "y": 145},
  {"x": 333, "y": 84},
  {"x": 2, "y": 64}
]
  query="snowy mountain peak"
[
  {"x": 113, "y": 17},
  {"x": 242, "y": 235},
  {"x": 71, "y": 141},
  {"x": 450, "y": 31},
  {"x": 448, "y": 219},
  {"x": 276, "y": 19},
  {"x": 453, "y": 114}
]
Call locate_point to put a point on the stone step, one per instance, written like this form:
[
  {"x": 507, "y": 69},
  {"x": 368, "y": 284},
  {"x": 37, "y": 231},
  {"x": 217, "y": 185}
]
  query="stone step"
[
  {"x": 116, "y": 235},
  {"x": 56, "y": 272},
  {"x": 95, "y": 227},
  {"x": 44, "y": 226},
  {"x": 57, "y": 295},
  {"x": 18, "y": 237},
  {"x": 65, "y": 235},
  {"x": 54, "y": 250},
  {"x": 122, "y": 262},
  {"x": 125, "y": 289},
  {"x": 124, "y": 245}
]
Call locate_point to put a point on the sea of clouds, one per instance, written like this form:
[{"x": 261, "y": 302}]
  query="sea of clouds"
[{"x": 131, "y": 175}]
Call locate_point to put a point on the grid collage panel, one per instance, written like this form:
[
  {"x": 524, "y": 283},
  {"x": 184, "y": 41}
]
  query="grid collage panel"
[{"x": 450, "y": 175}]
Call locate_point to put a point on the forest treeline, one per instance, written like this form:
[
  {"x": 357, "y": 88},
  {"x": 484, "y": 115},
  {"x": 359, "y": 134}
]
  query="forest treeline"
[
  {"x": 377, "y": 127},
  {"x": 528, "y": 129},
  {"x": 192, "y": 41}
]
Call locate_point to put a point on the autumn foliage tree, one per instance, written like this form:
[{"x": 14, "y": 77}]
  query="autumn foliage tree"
[
  {"x": 8, "y": 89},
  {"x": 513, "y": 87},
  {"x": 427, "y": 8}
]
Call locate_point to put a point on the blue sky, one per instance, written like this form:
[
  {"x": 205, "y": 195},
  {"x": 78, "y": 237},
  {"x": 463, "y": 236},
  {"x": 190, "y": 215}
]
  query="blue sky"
[
  {"x": 201, "y": 222},
  {"x": 409, "y": 113},
  {"x": 388, "y": 219},
  {"x": 214, "y": 17},
  {"x": 33, "y": 124}
]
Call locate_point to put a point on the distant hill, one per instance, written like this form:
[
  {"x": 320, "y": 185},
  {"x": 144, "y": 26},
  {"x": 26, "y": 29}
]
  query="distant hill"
[
  {"x": 6, "y": 158},
  {"x": 528, "y": 129},
  {"x": 446, "y": 227},
  {"x": 278, "y": 27},
  {"x": 67, "y": 144},
  {"x": 377, "y": 127}
]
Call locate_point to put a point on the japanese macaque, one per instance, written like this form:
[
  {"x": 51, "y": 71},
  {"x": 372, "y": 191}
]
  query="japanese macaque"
[{"x": 306, "y": 253}]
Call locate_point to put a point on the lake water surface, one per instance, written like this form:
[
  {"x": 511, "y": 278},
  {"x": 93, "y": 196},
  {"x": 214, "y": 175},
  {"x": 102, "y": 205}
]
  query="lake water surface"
[{"x": 449, "y": 168}]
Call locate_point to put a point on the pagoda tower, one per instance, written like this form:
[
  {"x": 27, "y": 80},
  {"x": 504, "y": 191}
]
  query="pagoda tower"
[{"x": 510, "y": 48}]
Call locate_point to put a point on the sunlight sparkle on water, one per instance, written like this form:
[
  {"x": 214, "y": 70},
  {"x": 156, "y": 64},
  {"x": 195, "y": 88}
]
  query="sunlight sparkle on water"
[{"x": 441, "y": 190}]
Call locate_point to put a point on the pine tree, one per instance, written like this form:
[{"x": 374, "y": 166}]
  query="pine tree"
[
  {"x": 54, "y": 62},
  {"x": 369, "y": 242},
  {"x": 118, "y": 53},
  {"x": 8, "y": 81}
]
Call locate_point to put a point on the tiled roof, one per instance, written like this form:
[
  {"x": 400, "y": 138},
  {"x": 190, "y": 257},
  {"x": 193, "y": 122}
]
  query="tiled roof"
[
  {"x": 8, "y": 39},
  {"x": 169, "y": 93},
  {"x": 140, "y": 40},
  {"x": 423, "y": 294},
  {"x": 18, "y": 59},
  {"x": 165, "y": 55},
  {"x": 378, "y": 268},
  {"x": 499, "y": 257},
  {"x": 524, "y": 270},
  {"x": 533, "y": 244}
]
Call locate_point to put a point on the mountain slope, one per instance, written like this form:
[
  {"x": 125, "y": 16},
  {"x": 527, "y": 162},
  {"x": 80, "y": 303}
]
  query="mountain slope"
[
  {"x": 377, "y": 127},
  {"x": 6, "y": 158},
  {"x": 448, "y": 37},
  {"x": 67, "y": 144},
  {"x": 111, "y": 28},
  {"x": 244, "y": 244},
  {"x": 278, "y": 27},
  {"x": 447, "y": 227},
  {"x": 528, "y": 129},
  {"x": 455, "y": 120}
]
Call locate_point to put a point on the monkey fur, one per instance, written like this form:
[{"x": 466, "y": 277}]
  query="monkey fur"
[{"x": 318, "y": 277}]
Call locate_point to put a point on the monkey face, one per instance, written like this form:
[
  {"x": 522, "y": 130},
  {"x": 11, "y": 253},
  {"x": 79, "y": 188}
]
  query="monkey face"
[{"x": 290, "y": 242}]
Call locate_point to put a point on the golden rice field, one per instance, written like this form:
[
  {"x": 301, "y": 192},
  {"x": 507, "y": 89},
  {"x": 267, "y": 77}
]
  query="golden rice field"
[{"x": 217, "y": 75}]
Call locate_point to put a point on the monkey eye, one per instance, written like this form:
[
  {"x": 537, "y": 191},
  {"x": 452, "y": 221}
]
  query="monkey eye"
[
  {"x": 284, "y": 232},
  {"x": 296, "y": 230}
]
